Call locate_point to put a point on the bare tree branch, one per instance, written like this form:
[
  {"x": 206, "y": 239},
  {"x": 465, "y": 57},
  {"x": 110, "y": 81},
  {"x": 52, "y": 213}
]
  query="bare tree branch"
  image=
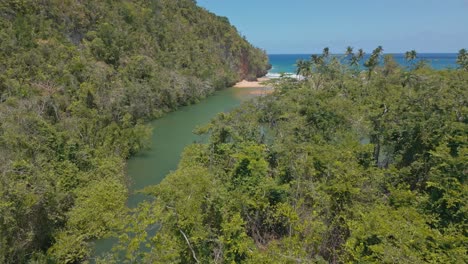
[{"x": 190, "y": 246}]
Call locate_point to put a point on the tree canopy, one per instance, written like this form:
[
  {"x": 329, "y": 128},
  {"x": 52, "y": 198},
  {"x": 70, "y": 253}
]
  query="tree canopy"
[
  {"x": 350, "y": 169},
  {"x": 77, "y": 81}
]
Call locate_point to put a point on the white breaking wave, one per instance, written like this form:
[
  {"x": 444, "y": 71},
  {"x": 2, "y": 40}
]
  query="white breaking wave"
[{"x": 273, "y": 75}]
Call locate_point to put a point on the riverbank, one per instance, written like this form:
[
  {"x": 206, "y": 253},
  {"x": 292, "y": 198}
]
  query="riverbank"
[
  {"x": 172, "y": 133},
  {"x": 260, "y": 83}
]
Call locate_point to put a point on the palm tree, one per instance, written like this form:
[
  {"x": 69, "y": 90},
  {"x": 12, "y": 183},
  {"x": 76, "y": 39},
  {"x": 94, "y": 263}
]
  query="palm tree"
[
  {"x": 316, "y": 59},
  {"x": 373, "y": 61},
  {"x": 378, "y": 50},
  {"x": 355, "y": 58},
  {"x": 360, "y": 54},
  {"x": 349, "y": 54},
  {"x": 411, "y": 55},
  {"x": 304, "y": 68},
  {"x": 326, "y": 52}
]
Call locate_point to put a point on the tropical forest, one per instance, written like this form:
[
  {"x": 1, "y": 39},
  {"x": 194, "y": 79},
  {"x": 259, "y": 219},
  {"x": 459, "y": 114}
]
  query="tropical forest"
[{"x": 352, "y": 158}]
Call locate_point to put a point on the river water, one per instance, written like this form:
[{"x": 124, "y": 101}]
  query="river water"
[{"x": 171, "y": 134}]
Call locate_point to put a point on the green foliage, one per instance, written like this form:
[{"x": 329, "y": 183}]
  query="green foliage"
[
  {"x": 304, "y": 68},
  {"x": 328, "y": 169},
  {"x": 462, "y": 59},
  {"x": 411, "y": 55},
  {"x": 77, "y": 81},
  {"x": 373, "y": 60},
  {"x": 99, "y": 207}
]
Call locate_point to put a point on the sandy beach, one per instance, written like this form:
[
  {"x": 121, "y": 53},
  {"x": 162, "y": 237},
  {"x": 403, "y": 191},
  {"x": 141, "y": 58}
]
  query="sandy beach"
[{"x": 254, "y": 84}]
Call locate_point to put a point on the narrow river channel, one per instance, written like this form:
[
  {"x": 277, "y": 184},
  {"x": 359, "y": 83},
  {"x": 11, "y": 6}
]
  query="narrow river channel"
[{"x": 171, "y": 134}]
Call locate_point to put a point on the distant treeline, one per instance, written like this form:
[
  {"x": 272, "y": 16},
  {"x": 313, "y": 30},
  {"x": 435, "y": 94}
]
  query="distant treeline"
[
  {"x": 342, "y": 166},
  {"x": 77, "y": 81}
]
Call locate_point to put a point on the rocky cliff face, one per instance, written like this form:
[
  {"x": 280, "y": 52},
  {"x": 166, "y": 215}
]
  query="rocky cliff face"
[{"x": 249, "y": 69}]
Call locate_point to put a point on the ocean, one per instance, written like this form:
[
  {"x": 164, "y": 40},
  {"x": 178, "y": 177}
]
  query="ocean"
[{"x": 286, "y": 63}]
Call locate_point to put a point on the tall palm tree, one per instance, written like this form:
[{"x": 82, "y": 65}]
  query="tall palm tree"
[
  {"x": 411, "y": 55},
  {"x": 355, "y": 58},
  {"x": 373, "y": 61},
  {"x": 326, "y": 52},
  {"x": 360, "y": 54},
  {"x": 349, "y": 54},
  {"x": 304, "y": 68},
  {"x": 378, "y": 50}
]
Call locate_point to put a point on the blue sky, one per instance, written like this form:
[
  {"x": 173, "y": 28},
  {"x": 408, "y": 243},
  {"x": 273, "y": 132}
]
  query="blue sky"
[{"x": 307, "y": 26}]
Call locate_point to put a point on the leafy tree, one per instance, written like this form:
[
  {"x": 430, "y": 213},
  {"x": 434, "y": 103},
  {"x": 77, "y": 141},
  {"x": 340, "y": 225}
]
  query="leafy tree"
[
  {"x": 360, "y": 170},
  {"x": 78, "y": 80},
  {"x": 462, "y": 59},
  {"x": 317, "y": 59},
  {"x": 390, "y": 66}
]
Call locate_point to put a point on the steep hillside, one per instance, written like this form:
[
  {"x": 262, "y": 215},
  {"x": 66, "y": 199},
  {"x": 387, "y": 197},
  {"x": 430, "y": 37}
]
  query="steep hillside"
[{"x": 77, "y": 80}]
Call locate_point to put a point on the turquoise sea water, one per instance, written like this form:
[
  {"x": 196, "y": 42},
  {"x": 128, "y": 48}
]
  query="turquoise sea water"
[{"x": 286, "y": 63}]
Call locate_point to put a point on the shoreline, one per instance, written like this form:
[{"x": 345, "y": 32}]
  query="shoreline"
[{"x": 252, "y": 84}]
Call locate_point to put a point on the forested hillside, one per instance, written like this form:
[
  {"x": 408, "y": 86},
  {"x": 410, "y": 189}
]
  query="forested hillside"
[
  {"x": 77, "y": 81},
  {"x": 343, "y": 166}
]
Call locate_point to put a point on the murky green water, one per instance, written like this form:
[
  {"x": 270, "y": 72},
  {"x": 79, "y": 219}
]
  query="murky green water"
[{"x": 171, "y": 134}]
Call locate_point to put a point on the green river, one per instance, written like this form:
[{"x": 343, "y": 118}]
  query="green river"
[{"x": 171, "y": 134}]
